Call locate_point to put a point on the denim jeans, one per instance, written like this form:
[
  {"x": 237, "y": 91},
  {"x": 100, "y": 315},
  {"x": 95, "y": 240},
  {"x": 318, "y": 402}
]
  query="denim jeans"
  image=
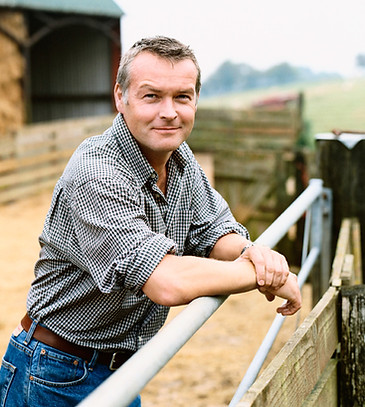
[{"x": 36, "y": 375}]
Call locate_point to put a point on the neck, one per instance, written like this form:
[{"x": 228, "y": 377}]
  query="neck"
[
  {"x": 160, "y": 166},
  {"x": 162, "y": 180}
]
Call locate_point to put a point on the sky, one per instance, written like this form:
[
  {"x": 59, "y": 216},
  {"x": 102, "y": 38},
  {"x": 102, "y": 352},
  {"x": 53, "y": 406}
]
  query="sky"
[{"x": 324, "y": 35}]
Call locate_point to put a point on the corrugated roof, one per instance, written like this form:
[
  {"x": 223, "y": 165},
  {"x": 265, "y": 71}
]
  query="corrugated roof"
[{"x": 93, "y": 7}]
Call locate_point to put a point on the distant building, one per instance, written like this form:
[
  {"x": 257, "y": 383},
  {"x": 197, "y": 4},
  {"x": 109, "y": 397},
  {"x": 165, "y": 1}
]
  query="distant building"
[{"x": 58, "y": 59}]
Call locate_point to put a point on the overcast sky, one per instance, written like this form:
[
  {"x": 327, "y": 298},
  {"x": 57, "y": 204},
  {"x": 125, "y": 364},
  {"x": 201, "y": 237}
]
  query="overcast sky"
[{"x": 324, "y": 35}]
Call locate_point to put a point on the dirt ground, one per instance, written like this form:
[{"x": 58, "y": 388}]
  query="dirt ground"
[{"x": 205, "y": 373}]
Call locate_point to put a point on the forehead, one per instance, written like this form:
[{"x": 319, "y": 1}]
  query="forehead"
[{"x": 149, "y": 68}]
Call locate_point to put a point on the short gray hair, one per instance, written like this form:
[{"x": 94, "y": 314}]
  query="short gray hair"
[{"x": 163, "y": 47}]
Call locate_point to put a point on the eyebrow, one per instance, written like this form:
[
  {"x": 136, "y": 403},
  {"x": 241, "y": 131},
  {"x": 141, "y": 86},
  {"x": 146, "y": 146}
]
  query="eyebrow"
[{"x": 154, "y": 90}]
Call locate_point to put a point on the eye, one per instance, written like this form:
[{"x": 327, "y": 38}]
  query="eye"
[
  {"x": 184, "y": 97},
  {"x": 150, "y": 96}
]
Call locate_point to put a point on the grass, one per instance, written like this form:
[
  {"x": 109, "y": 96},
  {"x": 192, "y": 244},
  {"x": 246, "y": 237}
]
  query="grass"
[{"x": 336, "y": 104}]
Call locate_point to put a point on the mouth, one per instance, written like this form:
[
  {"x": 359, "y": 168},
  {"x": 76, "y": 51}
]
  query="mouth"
[{"x": 166, "y": 129}]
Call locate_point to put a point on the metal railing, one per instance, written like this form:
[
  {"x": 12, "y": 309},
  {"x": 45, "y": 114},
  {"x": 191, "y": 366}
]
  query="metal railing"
[{"x": 120, "y": 389}]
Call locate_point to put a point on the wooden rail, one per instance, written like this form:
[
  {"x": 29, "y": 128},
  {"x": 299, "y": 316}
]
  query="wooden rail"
[
  {"x": 33, "y": 158},
  {"x": 305, "y": 371}
]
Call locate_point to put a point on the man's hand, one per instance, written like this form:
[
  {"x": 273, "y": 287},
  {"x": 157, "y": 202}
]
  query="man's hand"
[
  {"x": 271, "y": 267},
  {"x": 291, "y": 292}
]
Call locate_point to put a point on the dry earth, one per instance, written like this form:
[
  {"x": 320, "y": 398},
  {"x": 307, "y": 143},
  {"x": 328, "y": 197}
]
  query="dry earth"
[{"x": 205, "y": 373}]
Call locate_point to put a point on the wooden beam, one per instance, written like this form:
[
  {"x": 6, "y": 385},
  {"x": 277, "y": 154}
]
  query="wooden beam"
[
  {"x": 343, "y": 171},
  {"x": 342, "y": 247},
  {"x": 294, "y": 372},
  {"x": 356, "y": 249},
  {"x": 325, "y": 393},
  {"x": 352, "y": 362}
]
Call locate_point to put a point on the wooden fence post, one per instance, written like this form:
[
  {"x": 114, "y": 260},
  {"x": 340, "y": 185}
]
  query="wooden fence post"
[
  {"x": 352, "y": 363},
  {"x": 342, "y": 168}
]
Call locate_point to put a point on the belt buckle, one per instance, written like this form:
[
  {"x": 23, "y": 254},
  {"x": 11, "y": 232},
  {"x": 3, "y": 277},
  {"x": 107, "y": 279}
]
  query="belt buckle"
[{"x": 114, "y": 358}]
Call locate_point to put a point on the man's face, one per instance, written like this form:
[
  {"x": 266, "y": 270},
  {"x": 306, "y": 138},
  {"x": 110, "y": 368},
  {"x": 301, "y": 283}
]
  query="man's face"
[{"x": 161, "y": 104}]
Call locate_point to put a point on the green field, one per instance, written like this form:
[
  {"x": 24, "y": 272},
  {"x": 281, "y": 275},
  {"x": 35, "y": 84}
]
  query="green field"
[{"x": 336, "y": 104}]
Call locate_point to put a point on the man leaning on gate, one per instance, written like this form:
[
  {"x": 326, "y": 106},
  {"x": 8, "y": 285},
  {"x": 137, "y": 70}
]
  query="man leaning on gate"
[{"x": 134, "y": 227}]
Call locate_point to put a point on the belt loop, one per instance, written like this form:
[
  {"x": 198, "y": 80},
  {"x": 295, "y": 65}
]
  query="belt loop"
[
  {"x": 93, "y": 360},
  {"x": 30, "y": 333}
]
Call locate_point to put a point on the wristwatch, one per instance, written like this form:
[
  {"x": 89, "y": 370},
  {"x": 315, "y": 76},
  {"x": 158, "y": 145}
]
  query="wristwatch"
[{"x": 248, "y": 245}]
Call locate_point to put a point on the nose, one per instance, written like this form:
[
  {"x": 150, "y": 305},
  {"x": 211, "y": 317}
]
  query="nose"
[{"x": 167, "y": 109}]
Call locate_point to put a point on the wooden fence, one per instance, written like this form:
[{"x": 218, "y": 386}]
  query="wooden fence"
[
  {"x": 254, "y": 157},
  {"x": 33, "y": 158},
  {"x": 322, "y": 363},
  {"x": 251, "y": 151}
]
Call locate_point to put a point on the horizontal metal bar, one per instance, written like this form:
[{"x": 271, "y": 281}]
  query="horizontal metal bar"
[
  {"x": 120, "y": 389},
  {"x": 123, "y": 386},
  {"x": 261, "y": 355},
  {"x": 277, "y": 230}
]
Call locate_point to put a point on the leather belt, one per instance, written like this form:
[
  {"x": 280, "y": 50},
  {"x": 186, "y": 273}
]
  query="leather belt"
[{"x": 42, "y": 334}]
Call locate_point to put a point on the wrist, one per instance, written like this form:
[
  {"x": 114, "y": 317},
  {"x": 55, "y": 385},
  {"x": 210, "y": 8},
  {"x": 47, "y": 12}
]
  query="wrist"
[{"x": 247, "y": 246}]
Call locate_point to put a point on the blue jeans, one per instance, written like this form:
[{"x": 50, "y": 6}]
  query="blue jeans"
[{"x": 36, "y": 375}]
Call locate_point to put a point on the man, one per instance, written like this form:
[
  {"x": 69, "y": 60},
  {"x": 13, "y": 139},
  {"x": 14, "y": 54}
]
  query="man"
[{"x": 134, "y": 227}]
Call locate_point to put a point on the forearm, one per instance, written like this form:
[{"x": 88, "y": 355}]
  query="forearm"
[
  {"x": 228, "y": 247},
  {"x": 178, "y": 280}
]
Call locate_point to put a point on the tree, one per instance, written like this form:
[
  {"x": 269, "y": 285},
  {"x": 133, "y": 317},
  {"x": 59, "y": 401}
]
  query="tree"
[{"x": 360, "y": 61}]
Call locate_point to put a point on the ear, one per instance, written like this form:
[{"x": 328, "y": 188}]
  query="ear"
[
  {"x": 118, "y": 98},
  {"x": 196, "y": 102}
]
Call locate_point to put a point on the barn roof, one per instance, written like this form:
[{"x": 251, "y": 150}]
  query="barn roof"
[{"x": 93, "y": 7}]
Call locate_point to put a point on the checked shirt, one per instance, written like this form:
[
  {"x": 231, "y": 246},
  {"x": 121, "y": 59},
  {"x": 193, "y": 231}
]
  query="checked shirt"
[{"x": 107, "y": 229}]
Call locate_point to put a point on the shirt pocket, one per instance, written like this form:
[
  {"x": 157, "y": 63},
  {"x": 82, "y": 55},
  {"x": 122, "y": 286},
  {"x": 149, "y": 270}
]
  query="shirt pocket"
[{"x": 179, "y": 227}]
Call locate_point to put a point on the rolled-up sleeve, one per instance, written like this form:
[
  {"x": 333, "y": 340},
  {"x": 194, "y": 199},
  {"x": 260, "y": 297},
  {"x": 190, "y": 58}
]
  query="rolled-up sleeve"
[{"x": 113, "y": 240}]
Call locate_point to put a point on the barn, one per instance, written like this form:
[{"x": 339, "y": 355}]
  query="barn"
[{"x": 58, "y": 59}]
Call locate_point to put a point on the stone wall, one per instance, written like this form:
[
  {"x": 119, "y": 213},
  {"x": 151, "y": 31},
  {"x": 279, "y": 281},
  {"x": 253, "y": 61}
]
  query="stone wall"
[{"x": 12, "y": 69}]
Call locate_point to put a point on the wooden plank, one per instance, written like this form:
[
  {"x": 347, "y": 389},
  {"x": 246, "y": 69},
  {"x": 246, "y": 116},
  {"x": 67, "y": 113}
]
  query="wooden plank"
[
  {"x": 245, "y": 166},
  {"x": 294, "y": 372},
  {"x": 325, "y": 393},
  {"x": 356, "y": 249},
  {"x": 347, "y": 273},
  {"x": 342, "y": 248},
  {"x": 44, "y": 146},
  {"x": 21, "y": 163},
  {"x": 7, "y": 146},
  {"x": 251, "y": 115},
  {"x": 26, "y": 190},
  {"x": 31, "y": 175},
  {"x": 352, "y": 361},
  {"x": 206, "y": 161}
]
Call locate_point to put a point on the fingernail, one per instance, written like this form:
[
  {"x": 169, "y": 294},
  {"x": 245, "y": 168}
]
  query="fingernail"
[{"x": 261, "y": 282}]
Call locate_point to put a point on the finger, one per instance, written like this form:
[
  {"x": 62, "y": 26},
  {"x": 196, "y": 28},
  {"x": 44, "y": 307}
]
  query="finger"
[
  {"x": 280, "y": 269},
  {"x": 285, "y": 268},
  {"x": 270, "y": 297},
  {"x": 289, "y": 308},
  {"x": 273, "y": 269},
  {"x": 256, "y": 257}
]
